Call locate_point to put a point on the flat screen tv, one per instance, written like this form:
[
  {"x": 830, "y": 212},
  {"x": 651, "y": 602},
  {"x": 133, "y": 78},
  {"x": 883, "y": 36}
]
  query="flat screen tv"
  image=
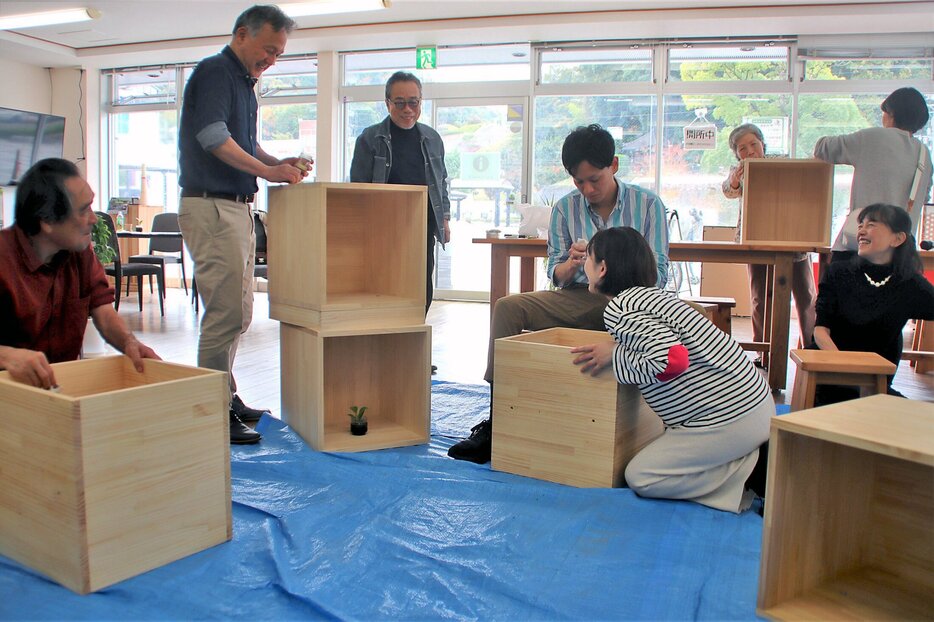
[{"x": 26, "y": 138}]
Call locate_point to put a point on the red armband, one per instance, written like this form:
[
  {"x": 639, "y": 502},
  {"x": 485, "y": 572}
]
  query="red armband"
[{"x": 677, "y": 363}]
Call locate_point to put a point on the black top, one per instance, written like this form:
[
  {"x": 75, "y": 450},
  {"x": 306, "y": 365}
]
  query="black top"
[
  {"x": 865, "y": 318},
  {"x": 219, "y": 101},
  {"x": 408, "y": 163}
]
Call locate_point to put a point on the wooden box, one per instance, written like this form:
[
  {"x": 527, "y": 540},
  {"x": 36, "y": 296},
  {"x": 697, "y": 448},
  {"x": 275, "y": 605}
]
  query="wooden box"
[
  {"x": 325, "y": 372},
  {"x": 552, "y": 422},
  {"x": 787, "y": 201},
  {"x": 849, "y": 513},
  {"x": 117, "y": 474},
  {"x": 347, "y": 255}
]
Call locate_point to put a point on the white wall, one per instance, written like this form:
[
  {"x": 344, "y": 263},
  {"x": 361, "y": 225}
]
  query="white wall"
[{"x": 25, "y": 87}]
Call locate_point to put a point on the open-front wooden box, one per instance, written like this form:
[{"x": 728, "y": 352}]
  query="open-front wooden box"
[
  {"x": 118, "y": 473},
  {"x": 787, "y": 201},
  {"x": 324, "y": 373},
  {"x": 347, "y": 255},
  {"x": 552, "y": 422},
  {"x": 849, "y": 513}
]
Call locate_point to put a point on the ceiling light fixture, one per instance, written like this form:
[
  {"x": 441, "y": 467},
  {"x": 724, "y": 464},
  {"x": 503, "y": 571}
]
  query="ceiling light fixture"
[
  {"x": 326, "y": 7},
  {"x": 47, "y": 18}
]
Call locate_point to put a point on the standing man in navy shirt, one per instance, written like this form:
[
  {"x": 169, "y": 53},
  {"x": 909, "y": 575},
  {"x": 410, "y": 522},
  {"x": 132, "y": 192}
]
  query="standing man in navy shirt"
[{"x": 219, "y": 160}]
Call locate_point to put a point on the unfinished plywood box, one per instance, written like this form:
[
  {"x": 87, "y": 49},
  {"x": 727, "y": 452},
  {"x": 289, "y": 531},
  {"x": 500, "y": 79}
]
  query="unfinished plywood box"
[
  {"x": 849, "y": 513},
  {"x": 325, "y": 372},
  {"x": 552, "y": 422},
  {"x": 118, "y": 473},
  {"x": 787, "y": 201},
  {"x": 347, "y": 255}
]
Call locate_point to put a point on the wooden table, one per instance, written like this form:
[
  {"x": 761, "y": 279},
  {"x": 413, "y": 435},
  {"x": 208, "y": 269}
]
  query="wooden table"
[{"x": 779, "y": 256}]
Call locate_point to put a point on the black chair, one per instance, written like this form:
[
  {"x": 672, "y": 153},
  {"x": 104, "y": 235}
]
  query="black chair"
[
  {"x": 119, "y": 270},
  {"x": 260, "y": 268},
  {"x": 173, "y": 246}
]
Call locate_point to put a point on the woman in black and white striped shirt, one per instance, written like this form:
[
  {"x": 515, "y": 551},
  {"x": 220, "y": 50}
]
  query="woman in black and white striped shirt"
[{"x": 715, "y": 405}]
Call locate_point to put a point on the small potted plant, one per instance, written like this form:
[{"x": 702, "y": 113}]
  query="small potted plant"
[
  {"x": 357, "y": 420},
  {"x": 100, "y": 239}
]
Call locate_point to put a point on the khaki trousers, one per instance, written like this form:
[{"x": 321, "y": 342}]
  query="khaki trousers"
[
  {"x": 220, "y": 237},
  {"x": 571, "y": 307}
]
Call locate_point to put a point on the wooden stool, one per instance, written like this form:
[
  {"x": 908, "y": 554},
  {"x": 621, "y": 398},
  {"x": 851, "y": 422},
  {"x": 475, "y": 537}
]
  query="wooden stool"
[
  {"x": 722, "y": 312},
  {"x": 866, "y": 370}
]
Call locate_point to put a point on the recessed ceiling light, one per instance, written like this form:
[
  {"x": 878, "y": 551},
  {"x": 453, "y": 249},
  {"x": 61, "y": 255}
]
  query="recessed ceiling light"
[
  {"x": 47, "y": 18},
  {"x": 326, "y": 7}
]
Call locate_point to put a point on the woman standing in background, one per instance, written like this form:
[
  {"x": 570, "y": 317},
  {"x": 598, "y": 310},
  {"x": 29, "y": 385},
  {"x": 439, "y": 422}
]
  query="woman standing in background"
[{"x": 890, "y": 165}]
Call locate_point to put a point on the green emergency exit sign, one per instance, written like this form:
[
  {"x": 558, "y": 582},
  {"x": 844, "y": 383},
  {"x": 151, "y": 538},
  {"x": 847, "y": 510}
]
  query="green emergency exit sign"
[{"x": 426, "y": 58}]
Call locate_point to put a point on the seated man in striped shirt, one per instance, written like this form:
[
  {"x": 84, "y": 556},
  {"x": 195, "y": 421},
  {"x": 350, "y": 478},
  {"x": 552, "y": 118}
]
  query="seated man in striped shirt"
[{"x": 601, "y": 201}]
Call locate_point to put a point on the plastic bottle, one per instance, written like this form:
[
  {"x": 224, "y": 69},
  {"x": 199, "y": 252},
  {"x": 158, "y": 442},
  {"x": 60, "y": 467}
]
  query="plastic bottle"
[{"x": 120, "y": 222}]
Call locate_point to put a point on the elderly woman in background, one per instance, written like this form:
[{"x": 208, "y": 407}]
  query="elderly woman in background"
[
  {"x": 890, "y": 165},
  {"x": 746, "y": 141}
]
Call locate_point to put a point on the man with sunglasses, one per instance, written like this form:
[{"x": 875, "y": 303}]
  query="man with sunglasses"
[{"x": 400, "y": 150}]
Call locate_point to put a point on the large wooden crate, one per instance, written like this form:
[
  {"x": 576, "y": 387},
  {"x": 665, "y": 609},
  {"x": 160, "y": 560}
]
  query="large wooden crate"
[
  {"x": 552, "y": 422},
  {"x": 325, "y": 372},
  {"x": 849, "y": 513},
  {"x": 347, "y": 255},
  {"x": 787, "y": 201},
  {"x": 118, "y": 473}
]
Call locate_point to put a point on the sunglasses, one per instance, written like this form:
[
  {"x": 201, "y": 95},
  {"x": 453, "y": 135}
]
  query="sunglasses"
[{"x": 400, "y": 104}]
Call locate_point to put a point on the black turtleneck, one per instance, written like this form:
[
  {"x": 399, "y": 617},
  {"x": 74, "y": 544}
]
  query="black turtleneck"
[{"x": 865, "y": 317}]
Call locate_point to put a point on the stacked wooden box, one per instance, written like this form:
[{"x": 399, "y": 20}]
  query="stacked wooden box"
[
  {"x": 118, "y": 473},
  {"x": 347, "y": 267}
]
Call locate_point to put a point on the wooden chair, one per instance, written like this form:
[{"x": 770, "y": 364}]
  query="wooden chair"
[
  {"x": 722, "y": 309},
  {"x": 119, "y": 270},
  {"x": 866, "y": 370}
]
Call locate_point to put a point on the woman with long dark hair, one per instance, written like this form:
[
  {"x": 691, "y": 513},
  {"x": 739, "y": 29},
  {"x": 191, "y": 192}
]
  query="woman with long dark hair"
[{"x": 863, "y": 304}]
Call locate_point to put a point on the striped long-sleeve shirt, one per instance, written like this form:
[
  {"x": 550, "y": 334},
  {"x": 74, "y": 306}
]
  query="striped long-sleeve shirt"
[
  {"x": 572, "y": 220},
  {"x": 720, "y": 383}
]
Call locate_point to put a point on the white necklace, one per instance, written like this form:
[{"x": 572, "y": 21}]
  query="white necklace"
[{"x": 877, "y": 283}]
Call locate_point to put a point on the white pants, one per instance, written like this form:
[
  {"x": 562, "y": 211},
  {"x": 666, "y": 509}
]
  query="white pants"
[{"x": 706, "y": 465}]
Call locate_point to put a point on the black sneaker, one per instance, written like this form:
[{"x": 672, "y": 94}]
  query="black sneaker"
[
  {"x": 244, "y": 412},
  {"x": 240, "y": 433},
  {"x": 478, "y": 446}
]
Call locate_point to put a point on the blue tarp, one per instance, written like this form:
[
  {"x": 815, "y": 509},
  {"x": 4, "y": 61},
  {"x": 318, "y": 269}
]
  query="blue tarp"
[{"x": 410, "y": 534}]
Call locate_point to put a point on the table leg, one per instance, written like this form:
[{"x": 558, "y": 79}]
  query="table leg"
[
  {"x": 499, "y": 275},
  {"x": 527, "y": 274},
  {"x": 780, "y": 318}
]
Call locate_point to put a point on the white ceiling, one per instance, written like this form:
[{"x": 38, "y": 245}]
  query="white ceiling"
[{"x": 175, "y": 24}]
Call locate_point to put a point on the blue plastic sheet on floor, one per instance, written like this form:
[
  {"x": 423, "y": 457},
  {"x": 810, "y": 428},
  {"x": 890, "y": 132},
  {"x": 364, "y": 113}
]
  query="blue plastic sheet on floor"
[{"x": 410, "y": 534}]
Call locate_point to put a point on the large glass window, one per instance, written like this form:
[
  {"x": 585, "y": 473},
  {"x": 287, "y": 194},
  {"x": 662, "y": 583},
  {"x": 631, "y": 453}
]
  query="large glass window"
[
  {"x": 150, "y": 139},
  {"x": 631, "y": 119},
  {"x": 290, "y": 78},
  {"x": 697, "y": 63},
  {"x": 146, "y": 86},
  {"x": 491, "y": 63},
  {"x": 869, "y": 69},
  {"x": 596, "y": 66},
  {"x": 287, "y": 130},
  {"x": 691, "y": 178}
]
